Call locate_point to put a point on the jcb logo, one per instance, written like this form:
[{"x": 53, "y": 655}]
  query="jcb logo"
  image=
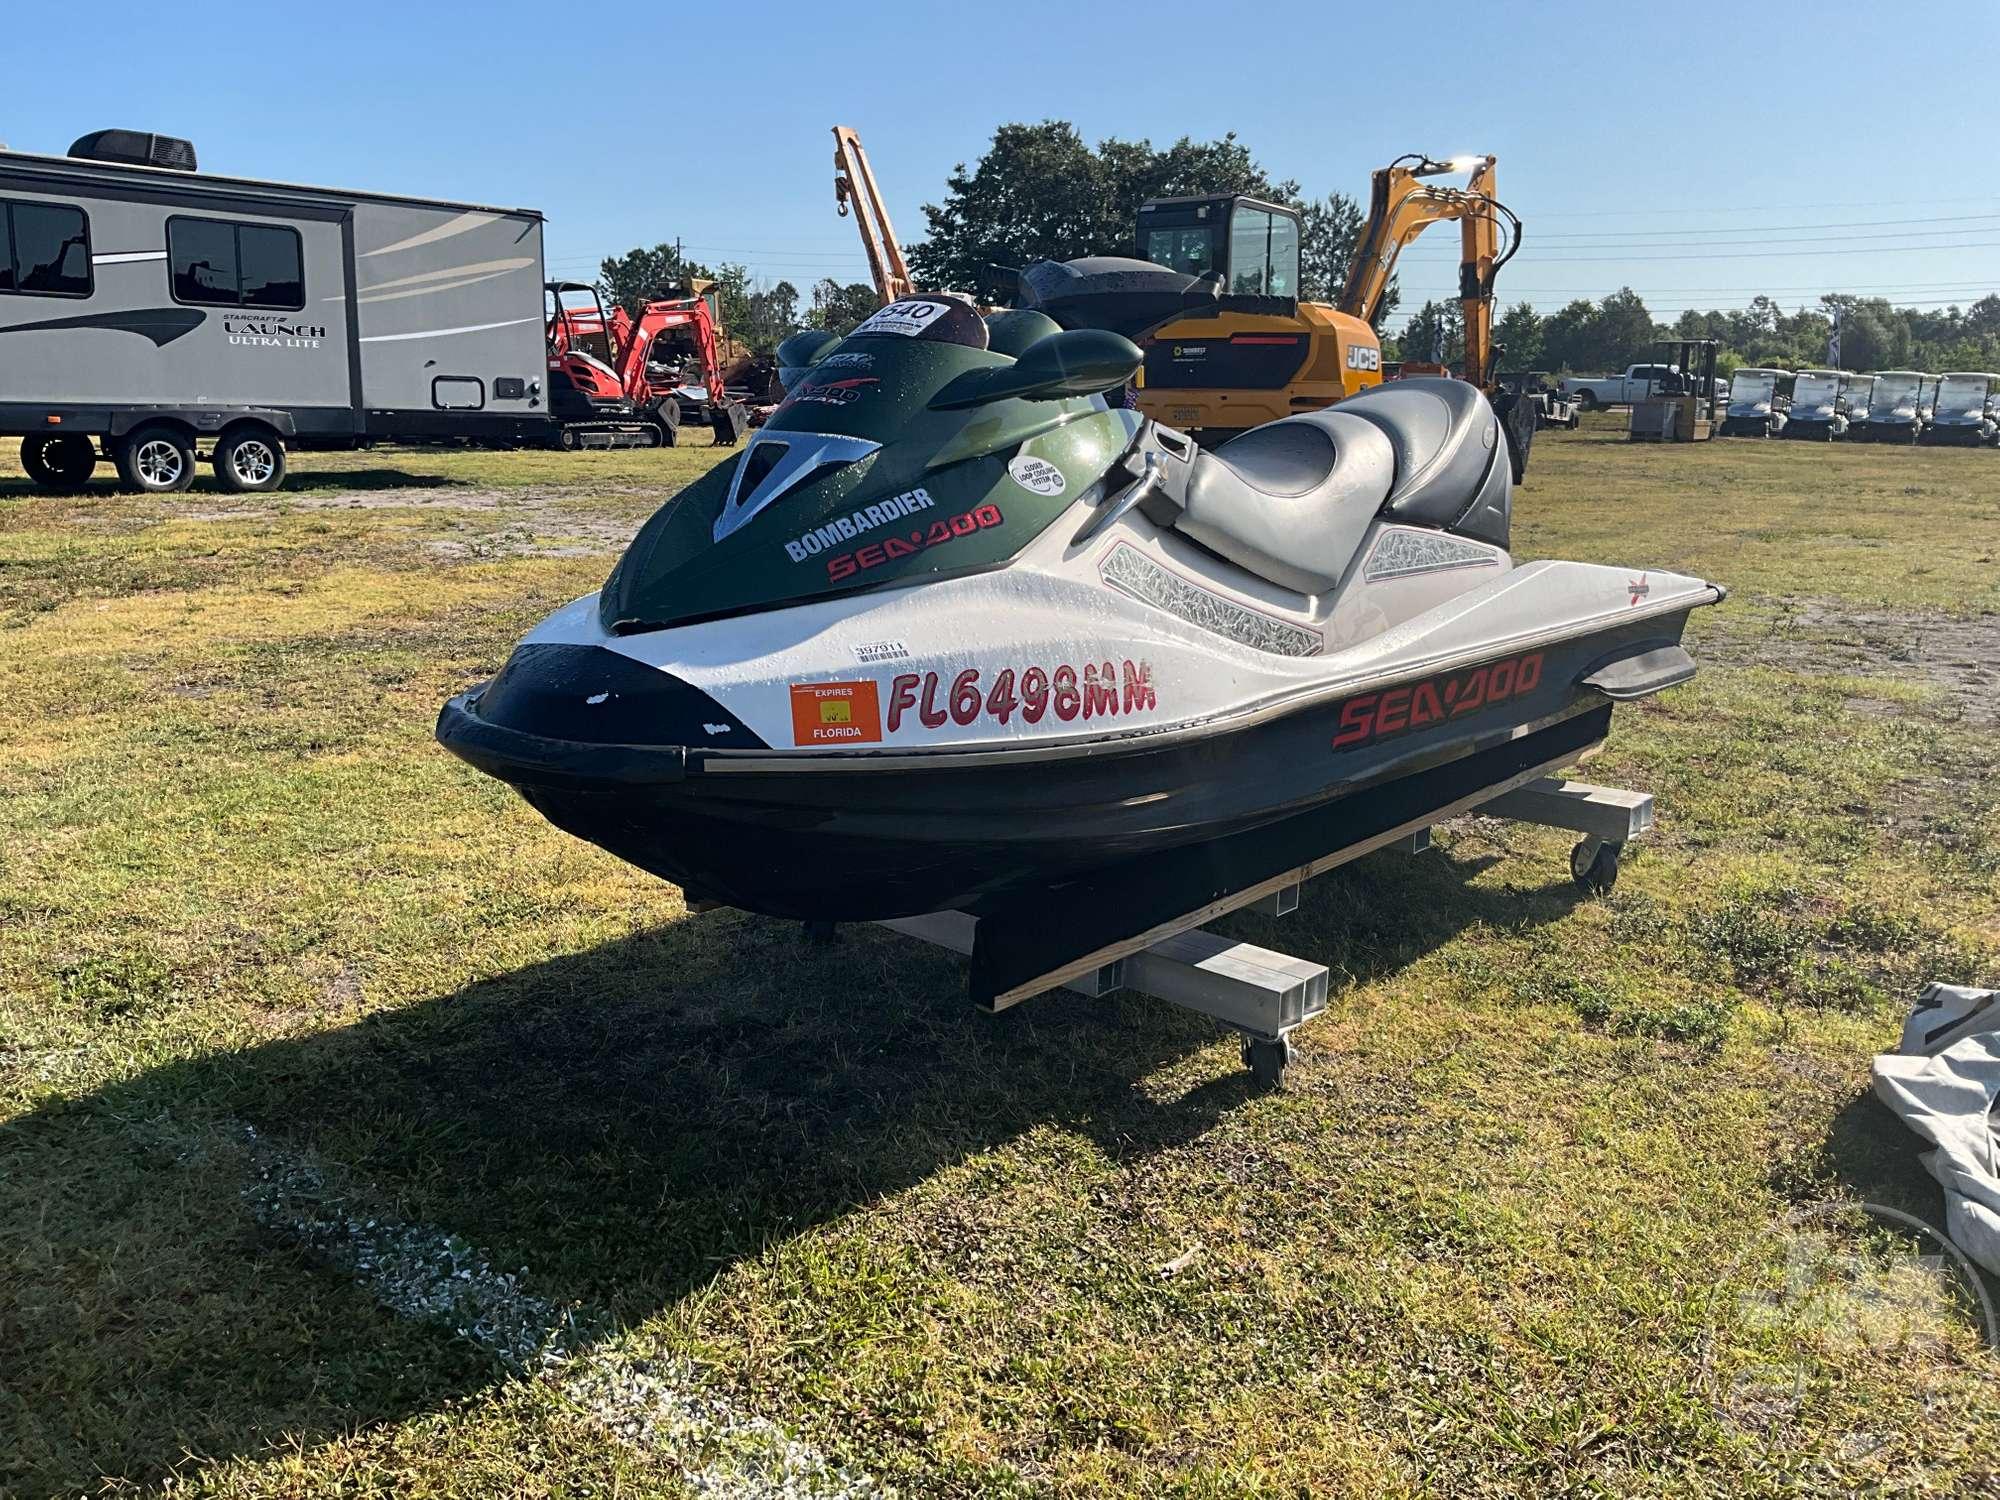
[{"x": 1361, "y": 357}]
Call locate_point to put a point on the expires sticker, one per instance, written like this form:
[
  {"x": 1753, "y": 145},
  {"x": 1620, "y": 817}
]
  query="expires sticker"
[
  {"x": 1037, "y": 475},
  {"x": 835, "y": 713}
]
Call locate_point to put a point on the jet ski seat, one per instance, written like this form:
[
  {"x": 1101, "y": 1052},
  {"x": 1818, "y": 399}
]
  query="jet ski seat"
[{"x": 1292, "y": 500}]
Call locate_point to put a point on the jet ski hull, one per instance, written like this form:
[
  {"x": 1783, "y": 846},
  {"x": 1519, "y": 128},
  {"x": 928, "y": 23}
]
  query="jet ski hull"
[{"x": 848, "y": 836}]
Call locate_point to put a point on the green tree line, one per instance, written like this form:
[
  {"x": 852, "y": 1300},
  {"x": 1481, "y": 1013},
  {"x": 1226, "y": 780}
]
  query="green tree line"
[{"x": 1608, "y": 335}]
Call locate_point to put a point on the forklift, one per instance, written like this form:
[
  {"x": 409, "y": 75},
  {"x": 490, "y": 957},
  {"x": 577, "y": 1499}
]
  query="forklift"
[{"x": 1681, "y": 407}]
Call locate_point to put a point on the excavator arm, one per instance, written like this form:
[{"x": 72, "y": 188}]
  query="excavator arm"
[
  {"x": 1402, "y": 205},
  {"x": 854, "y": 183}
]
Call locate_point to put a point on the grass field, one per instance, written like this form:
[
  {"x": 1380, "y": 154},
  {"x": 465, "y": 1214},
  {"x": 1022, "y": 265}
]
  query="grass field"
[{"x": 358, "y": 1132}]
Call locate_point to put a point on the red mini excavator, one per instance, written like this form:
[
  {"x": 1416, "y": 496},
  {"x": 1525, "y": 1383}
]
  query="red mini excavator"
[{"x": 620, "y": 382}]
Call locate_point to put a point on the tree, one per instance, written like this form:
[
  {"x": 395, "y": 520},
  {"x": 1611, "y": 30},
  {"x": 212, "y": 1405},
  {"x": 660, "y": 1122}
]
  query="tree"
[
  {"x": 1566, "y": 336},
  {"x": 1435, "y": 334},
  {"x": 633, "y": 279},
  {"x": 1518, "y": 333},
  {"x": 759, "y": 317},
  {"x": 839, "y": 308}
]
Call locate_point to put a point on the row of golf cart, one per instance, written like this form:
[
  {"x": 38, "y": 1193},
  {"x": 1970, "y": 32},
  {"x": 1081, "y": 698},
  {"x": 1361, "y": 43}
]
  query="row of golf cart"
[{"x": 1887, "y": 406}]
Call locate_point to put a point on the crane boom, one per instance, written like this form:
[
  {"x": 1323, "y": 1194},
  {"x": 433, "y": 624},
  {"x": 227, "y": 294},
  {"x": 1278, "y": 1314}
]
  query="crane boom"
[{"x": 854, "y": 183}]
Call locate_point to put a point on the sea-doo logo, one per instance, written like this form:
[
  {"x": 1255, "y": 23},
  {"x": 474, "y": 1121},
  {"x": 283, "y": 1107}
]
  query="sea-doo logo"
[
  {"x": 847, "y": 528},
  {"x": 890, "y": 548},
  {"x": 1380, "y": 716},
  {"x": 842, "y": 392},
  {"x": 1361, "y": 357},
  {"x": 269, "y": 334}
]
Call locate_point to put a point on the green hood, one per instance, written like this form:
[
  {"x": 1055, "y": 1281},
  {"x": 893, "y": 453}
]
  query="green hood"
[{"x": 856, "y": 483}]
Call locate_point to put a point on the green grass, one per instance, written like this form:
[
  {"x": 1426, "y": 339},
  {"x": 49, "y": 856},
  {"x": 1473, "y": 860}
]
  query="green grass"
[{"x": 1495, "y": 1236}]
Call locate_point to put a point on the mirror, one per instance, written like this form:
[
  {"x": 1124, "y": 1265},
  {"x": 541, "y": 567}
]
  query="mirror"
[
  {"x": 1078, "y": 362},
  {"x": 801, "y": 352}
]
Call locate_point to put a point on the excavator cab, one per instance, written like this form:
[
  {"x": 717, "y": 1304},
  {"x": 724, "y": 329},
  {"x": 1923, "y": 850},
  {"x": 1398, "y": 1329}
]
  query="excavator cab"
[{"x": 1252, "y": 246}]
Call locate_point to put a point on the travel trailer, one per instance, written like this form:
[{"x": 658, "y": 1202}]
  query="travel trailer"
[{"x": 150, "y": 312}]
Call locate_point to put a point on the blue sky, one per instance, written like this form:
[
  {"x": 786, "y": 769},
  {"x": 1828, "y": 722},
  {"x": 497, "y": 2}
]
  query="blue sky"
[{"x": 1698, "y": 155}]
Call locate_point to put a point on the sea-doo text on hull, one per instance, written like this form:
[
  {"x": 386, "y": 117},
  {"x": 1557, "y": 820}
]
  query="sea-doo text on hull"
[{"x": 953, "y": 632}]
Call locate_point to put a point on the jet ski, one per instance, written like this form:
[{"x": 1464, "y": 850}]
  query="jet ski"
[{"x": 958, "y": 629}]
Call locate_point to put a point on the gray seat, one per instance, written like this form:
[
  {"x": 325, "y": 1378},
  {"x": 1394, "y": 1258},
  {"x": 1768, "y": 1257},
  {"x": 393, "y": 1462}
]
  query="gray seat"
[
  {"x": 1291, "y": 500},
  {"x": 1452, "y": 468}
]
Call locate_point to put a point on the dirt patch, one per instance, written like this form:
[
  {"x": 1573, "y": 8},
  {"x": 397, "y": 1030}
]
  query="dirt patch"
[
  {"x": 427, "y": 498},
  {"x": 1958, "y": 657},
  {"x": 535, "y": 522}
]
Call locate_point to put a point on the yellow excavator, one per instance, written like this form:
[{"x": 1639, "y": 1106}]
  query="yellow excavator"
[
  {"x": 1257, "y": 352},
  {"x": 1213, "y": 295}
]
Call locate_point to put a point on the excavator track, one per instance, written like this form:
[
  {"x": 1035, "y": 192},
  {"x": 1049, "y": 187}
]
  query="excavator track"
[{"x": 608, "y": 435}]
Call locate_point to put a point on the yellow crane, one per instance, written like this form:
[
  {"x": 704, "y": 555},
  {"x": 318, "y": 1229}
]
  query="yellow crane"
[{"x": 854, "y": 187}]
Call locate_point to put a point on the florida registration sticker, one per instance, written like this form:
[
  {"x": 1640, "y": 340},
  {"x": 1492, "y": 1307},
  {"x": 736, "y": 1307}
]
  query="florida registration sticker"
[{"x": 835, "y": 713}]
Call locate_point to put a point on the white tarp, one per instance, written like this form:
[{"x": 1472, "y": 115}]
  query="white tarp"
[{"x": 1944, "y": 1082}]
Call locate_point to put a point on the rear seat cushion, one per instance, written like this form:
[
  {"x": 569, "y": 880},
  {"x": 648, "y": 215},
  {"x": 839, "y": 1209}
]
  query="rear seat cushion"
[
  {"x": 1452, "y": 468},
  {"x": 1291, "y": 500}
]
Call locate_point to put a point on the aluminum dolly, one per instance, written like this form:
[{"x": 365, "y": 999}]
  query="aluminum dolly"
[{"x": 1265, "y": 994}]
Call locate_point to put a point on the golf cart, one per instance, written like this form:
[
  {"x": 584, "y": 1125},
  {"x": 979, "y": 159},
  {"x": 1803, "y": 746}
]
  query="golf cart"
[
  {"x": 1819, "y": 406},
  {"x": 1967, "y": 410},
  {"x": 1895, "y": 409},
  {"x": 1755, "y": 408}
]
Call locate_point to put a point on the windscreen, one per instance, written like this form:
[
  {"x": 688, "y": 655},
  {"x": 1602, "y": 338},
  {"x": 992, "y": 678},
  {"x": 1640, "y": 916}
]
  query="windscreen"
[
  {"x": 1187, "y": 248},
  {"x": 1962, "y": 393},
  {"x": 1815, "y": 391},
  {"x": 1894, "y": 393},
  {"x": 1750, "y": 388}
]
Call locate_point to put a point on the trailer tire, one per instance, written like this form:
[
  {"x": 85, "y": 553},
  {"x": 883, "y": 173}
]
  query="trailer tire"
[
  {"x": 155, "y": 460},
  {"x": 568, "y": 440},
  {"x": 60, "y": 464},
  {"x": 249, "y": 460}
]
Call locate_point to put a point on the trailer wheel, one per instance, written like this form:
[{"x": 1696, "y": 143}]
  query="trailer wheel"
[
  {"x": 1593, "y": 865},
  {"x": 568, "y": 439},
  {"x": 249, "y": 460},
  {"x": 155, "y": 461},
  {"x": 1266, "y": 1058},
  {"x": 61, "y": 465}
]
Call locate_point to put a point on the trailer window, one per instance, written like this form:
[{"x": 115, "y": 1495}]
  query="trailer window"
[
  {"x": 268, "y": 260},
  {"x": 216, "y": 264},
  {"x": 44, "y": 249}
]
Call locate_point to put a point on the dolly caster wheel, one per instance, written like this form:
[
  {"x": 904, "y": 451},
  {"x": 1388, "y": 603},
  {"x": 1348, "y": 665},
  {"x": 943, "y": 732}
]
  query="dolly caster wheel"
[
  {"x": 822, "y": 934},
  {"x": 1265, "y": 1057},
  {"x": 1593, "y": 865}
]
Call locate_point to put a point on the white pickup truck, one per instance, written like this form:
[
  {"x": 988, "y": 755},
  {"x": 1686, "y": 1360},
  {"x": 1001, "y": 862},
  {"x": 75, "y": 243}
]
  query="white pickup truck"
[{"x": 1594, "y": 392}]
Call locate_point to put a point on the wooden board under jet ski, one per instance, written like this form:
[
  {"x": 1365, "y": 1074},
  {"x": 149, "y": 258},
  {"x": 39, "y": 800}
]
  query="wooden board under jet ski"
[{"x": 953, "y": 632}]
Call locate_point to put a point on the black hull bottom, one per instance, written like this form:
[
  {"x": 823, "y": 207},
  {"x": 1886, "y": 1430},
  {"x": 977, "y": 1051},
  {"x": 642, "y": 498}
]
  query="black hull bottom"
[{"x": 873, "y": 836}]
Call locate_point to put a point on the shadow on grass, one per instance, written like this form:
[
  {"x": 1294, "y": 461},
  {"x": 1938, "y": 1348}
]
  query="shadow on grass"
[{"x": 625, "y": 1122}]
